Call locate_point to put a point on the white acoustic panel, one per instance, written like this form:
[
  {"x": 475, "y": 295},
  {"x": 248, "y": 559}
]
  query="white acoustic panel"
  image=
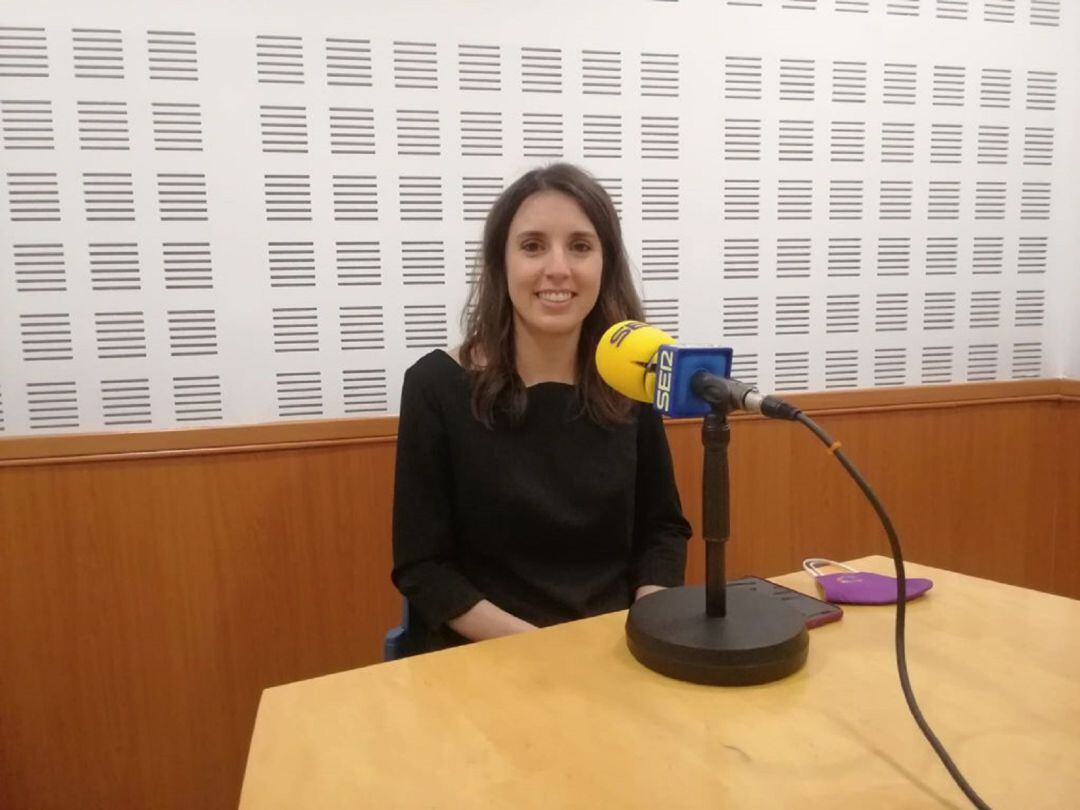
[{"x": 216, "y": 217}]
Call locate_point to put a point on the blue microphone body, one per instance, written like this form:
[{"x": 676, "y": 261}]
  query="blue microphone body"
[{"x": 676, "y": 367}]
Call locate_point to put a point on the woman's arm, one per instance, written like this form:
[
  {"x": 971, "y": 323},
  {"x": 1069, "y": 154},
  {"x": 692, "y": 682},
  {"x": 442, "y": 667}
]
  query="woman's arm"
[
  {"x": 660, "y": 529},
  {"x": 425, "y": 568}
]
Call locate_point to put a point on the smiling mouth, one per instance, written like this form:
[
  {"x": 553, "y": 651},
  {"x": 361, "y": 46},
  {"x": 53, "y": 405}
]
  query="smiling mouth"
[{"x": 555, "y": 297}]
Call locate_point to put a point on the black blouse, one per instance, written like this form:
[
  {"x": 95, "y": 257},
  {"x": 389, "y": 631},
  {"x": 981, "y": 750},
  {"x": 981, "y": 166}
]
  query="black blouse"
[{"x": 554, "y": 519}]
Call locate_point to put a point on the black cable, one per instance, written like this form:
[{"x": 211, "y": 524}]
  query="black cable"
[{"x": 901, "y": 613}]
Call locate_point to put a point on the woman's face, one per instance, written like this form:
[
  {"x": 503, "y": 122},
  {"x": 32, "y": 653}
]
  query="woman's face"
[{"x": 554, "y": 263}]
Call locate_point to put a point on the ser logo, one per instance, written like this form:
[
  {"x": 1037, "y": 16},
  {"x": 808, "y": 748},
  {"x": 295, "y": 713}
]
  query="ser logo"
[
  {"x": 665, "y": 361},
  {"x": 624, "y": 331}
]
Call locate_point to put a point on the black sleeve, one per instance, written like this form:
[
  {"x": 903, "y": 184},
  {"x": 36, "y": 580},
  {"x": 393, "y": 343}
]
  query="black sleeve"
[
  {"x": 660, "y": 530},
  {"x": 424, "y": 569}
]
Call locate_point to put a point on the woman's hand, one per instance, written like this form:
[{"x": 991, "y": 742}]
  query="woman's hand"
[
  {"x": 485, "y": 620},
  {"x": 645, "y": 590}
]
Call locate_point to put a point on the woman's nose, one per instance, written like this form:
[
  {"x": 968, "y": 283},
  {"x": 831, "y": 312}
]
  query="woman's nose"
[{"x": 559, "y": 264}]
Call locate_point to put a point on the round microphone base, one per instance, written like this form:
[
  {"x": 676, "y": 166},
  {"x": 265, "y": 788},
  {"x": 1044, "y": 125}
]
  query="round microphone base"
[{"x": 759, "y": 640}]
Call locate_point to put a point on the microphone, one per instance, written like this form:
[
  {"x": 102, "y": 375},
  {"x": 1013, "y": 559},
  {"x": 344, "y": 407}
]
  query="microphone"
[{"x": 645, "y": 364}]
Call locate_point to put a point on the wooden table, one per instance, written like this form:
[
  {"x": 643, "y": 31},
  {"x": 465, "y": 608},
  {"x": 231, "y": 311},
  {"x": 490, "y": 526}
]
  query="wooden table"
[{"x": 566, "y": 718}]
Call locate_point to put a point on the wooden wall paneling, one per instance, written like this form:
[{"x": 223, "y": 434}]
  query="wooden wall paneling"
[
  {"x": 64, "y": 447},
  {"x": 1065, "y": 559},
  {"x": 956, "y": 482},
  {"x": 150, "y": 601}
]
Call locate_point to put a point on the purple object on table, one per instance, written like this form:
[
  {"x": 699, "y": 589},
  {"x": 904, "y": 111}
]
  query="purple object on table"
[{"x": 852, "y": 587}]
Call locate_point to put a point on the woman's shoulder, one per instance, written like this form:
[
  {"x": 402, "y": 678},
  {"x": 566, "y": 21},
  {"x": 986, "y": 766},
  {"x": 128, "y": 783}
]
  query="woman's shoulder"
[{"x": 434, "y": 369}]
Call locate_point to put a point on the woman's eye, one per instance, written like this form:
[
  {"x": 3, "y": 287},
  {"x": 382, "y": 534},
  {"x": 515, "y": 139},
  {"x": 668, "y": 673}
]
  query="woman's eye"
[
  {"x": 531, "y": 246},
  {"x": 582, "y": 247}
]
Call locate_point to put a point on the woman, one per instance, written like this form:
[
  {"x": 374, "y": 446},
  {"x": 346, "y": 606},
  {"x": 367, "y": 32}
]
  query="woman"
[{"x": 527, "y": 492}]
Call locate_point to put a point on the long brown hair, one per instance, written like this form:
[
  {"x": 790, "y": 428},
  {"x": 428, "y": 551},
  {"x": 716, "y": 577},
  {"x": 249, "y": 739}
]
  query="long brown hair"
[{"x": 488, "y": 351}]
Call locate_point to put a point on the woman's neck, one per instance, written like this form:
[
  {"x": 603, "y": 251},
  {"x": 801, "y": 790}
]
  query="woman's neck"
[{"x": 545, "y": 358}]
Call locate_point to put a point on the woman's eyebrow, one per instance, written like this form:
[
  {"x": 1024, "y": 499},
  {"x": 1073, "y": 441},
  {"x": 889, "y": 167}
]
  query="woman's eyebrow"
[{"x": 542, "y": 235}]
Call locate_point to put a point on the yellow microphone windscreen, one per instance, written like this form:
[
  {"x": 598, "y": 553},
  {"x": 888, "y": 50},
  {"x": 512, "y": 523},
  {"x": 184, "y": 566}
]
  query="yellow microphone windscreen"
[{"x": 624, "y": 354}]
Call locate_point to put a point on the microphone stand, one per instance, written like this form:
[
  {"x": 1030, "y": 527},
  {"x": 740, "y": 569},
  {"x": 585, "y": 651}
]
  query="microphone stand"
[
  {"x": 742, "y": 636},
  {"x": 716, "y": 507}
]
